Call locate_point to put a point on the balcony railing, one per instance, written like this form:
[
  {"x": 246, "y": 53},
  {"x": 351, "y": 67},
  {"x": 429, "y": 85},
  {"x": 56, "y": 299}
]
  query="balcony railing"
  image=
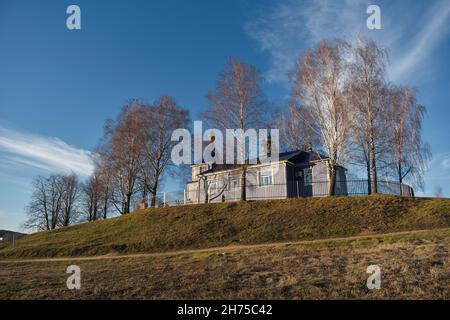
[{"x": 291, "y": 189}]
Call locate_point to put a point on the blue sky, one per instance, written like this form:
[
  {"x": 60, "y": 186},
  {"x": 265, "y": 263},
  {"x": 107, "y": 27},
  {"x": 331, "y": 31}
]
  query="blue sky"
[{"x": 57, "y": 86}]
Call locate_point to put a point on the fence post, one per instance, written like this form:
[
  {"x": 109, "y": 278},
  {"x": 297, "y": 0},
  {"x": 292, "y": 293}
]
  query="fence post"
[
  {"x": 184, "y": 196},
  {"x": 297, "y": 190},
  {"x": 164, "y": 201}
]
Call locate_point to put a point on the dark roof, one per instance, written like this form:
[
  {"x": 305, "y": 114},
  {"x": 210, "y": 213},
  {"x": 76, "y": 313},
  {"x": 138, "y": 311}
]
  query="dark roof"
[
  {"x": 295, "y": 157},
  {"x": 221, "y": 167},
  {"x": 301, "y": 156}
]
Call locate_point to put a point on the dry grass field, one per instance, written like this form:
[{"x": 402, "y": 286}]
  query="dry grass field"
[
  {"x": 414, "y": 265},
  {"x": 284, "y": 249}
]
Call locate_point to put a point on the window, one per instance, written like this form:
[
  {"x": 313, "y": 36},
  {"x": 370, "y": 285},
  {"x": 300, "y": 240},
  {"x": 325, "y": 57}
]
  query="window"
[
  {"x": 265, "y": 177},
  {"x": 234, "y": 182},
  {"x": 307, "y": 173},
  {"x": 212, "y": 186}
]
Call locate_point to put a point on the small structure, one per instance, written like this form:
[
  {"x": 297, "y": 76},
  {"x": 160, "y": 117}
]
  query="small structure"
[
  {"x": 10, "y": 236},
  {"x": 296, "y": 174}
]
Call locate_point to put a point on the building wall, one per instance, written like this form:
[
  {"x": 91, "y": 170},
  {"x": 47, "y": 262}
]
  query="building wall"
[
  {"x": 321, "y": 180},
  {"x": 277, "y": 190},
  {"x": 297, "y": 187},
  {"x": 192, "y": 192},
  {"x": 285, "y": 183},
  {"x": 197, "y": 169}
]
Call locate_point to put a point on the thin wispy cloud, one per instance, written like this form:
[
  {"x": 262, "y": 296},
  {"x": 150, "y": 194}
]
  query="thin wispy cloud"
[
  {"x": 42, "y": 153},
  {"x": 445, "y": 163},
  {"x": 434, "y": 30},
  {"x": 288, "y": 29},
  {"x": 22, "y": 181},
  {"x": 291, "y": 27},
  {"x": 439, "y": 169}
]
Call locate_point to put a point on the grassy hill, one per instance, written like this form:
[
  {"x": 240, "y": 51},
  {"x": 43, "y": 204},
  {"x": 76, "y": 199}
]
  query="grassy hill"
[
  {"x": 210, "y": 225},
  {"x": 414, "y": 265},
  {"x": 8, "y": 236}
]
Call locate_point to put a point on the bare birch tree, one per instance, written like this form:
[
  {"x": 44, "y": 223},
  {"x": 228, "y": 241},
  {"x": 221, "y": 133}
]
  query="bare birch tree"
[
  {"x": 296, "y": 131},
  {"x": 96, "y": 193},
  {"x": 53, "y": 202},
  {"x": 238, "y": 102},
  {"x": 410, "y": 154},
  {"x": 91, "y": 200},
  {"x": 39, "y": 210},
  {"x": 157, "y": 122},
  {"x": 438, "y": 192},
  {"x": 319, "y": 80},
  {"x": 69, "y": 188},
  {"x": 120, "y": 155},
  {"x": 366, "y": 93},
  {"x": 105, "y": 196}
]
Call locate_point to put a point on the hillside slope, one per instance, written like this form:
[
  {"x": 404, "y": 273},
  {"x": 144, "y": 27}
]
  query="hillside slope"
[
  {"x": 210, "y": 225},
  {"x": 8, "y": 235},
  {"x": 414, "y": 264}
]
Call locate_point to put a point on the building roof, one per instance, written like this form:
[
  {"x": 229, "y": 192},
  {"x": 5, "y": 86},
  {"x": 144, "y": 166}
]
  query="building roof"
[
  {"x": 295, "y": 157},
  {"x": 301, "y": 156}
]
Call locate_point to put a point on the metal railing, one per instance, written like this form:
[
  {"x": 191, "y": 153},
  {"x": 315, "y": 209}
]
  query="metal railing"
[{"x": 291, "y": 189}]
